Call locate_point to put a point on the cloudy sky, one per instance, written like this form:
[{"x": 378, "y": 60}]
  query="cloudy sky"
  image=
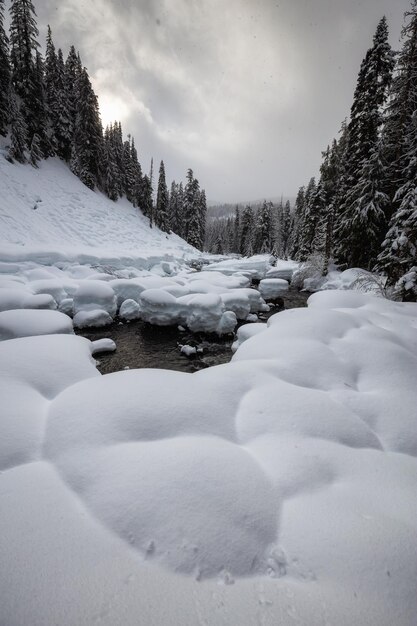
[{"x": 246, "y": 92}]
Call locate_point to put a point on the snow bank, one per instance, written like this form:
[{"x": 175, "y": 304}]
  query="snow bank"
[{"x": 253, "y": 267}]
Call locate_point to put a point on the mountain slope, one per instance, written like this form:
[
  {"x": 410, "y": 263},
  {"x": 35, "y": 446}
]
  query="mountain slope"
[{"x": 48, "y": 211}]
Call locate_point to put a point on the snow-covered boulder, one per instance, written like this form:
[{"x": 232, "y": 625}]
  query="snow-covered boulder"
[
  {"x": 247, "y": 331},
  {"x": 272, "y": 288},
  {"x": 27, "y": 322},
  {"x": 92, "y": 318},
  {"x": 159, "y": 307},
  {"x": 95, "y": 296},
  {"x": 129, "y": 310}
]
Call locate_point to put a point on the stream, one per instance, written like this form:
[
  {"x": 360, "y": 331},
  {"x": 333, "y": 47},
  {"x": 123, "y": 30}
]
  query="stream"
[{"x": 139, "y": 344}]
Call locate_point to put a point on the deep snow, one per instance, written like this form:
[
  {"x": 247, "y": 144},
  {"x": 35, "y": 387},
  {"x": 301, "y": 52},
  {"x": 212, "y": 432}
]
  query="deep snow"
[
  {"x": 277, "y": 489},
  {"x": 290, "y": 471}
]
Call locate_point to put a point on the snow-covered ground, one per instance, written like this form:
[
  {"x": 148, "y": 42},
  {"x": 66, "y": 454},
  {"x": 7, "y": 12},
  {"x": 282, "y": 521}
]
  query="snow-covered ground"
[
  {"x": 138, "y": 497},
  {"x": 47, "y": 215},
  {"x": 277, "y": 489}
]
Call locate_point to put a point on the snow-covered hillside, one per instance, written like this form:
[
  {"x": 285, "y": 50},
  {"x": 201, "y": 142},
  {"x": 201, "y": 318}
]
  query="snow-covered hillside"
[{"x": 48, "y": 215}]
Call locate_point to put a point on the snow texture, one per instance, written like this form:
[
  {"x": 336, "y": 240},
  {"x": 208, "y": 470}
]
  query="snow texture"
[{"x": 296, "y": 461}]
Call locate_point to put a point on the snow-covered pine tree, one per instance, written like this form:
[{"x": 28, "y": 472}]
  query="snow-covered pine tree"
[
  {"x": 175, "y": 216},
  {"x": 62, "y": 125},
  {"x": 295, "y": 225},
  {"x": 26, "y": 66},
  {"x": 180, "y": 210},
  {"x": 23, "y": 47},
  {"x": 366, "y": 120},
  {"x": 236, "y": 231},
  {"x": 400, "y": 108},
  {"x": 51, "y": 80},
  {"x": 5, "y": 75},
  {"x": 136, "y": 175},
  {"x": 162, "y": 201},
  {"x": 191, "y": 210},
  {"x": 202, "y": 215},
  {"x": 264, "y": 236},
  {"x": 399, "y": 250},
  {"x": 73, "y": 69},
  {"x": 247, "y": 223},
  {"x": 36, "y": 153},
  {"x": 147, "y": 200},
  {"x": 309, "y": 221},
  {"x": 111, "y": 173},
  {"x": 128, "y": 171},
  {"x": 87, "y": 146},
  {"x": 18, "y": 132}
]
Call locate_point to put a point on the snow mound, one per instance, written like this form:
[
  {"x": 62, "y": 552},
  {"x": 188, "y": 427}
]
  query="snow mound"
[
  {"x": 297, "y": 461},
  {"x": 26, "y": 323},
  {"x": 272, "y": 288}
]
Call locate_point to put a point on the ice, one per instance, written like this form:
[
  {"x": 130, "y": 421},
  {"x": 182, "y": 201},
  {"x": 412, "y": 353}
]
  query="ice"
[{"x": 26, "y": 322}]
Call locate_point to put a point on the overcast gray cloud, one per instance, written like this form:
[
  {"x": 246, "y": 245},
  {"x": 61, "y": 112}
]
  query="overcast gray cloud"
[{"x": 246, "y": 92}]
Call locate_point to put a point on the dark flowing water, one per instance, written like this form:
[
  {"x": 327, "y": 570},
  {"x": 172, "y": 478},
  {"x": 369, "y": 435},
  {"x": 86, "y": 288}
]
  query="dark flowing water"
[{"x": 141, "y": 345}]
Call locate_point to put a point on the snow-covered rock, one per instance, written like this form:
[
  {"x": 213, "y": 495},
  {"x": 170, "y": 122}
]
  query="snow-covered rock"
[
  {"x": 129, "y": 310},
  {"x": 92, "y": 318},
  {"x": 271, "y": 288},
  {"x": 94, "y": 295},
  {"x": 27, "y": 322}
]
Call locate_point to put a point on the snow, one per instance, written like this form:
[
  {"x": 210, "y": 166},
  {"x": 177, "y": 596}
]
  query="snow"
[
  {"x": 289, "y": 472},
  {"x": 47, "y": 216},
  {"x": 127, "y": 498},
  {"x": 26, "y": 322},
  {"x": 271, "y": 288},
  {"x": 102, "y": 345}
]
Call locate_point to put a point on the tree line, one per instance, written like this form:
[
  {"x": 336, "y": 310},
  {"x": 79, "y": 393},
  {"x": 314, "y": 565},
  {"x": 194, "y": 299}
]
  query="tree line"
[
  {"x": 251, "y": 230},
  {"x": 48, "y": 108},
  {"x": 362, "y": 210}
]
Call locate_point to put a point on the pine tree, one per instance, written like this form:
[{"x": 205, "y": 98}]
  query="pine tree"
[
  {"x": 309, "y": 221},
  {"x": 73, "y": 69},
  {"x": 399, "y": 251},
  {"x": 247, "y": 231},
  {"x": 147, "y": 201},
  {"x": 192, "y": 222},
  {"x": 401, "y": 106},
  {"x": 62, "y": 124},
  {"x": 88, "y": 139},
  {"x": 5, "y": 76},
  {"x": 175, "y": 215},
  {"x": 23, "y": 46},
  {"x": 366, "y": 120},
  {"x": 111, "y": 174},
  {"x": 236, "y": 231},
  {"x": 136, "y": 175},
  {"x": 18, "y": 132},
  {"x": 264, "y": 231},
  {"x": 162, "y": 200},
  {"x": 27, "y": 70},
  {"x": 35, "y": 150},
  {"x": 295, "y": 225},
  {"x": 202, "y": 214}
]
